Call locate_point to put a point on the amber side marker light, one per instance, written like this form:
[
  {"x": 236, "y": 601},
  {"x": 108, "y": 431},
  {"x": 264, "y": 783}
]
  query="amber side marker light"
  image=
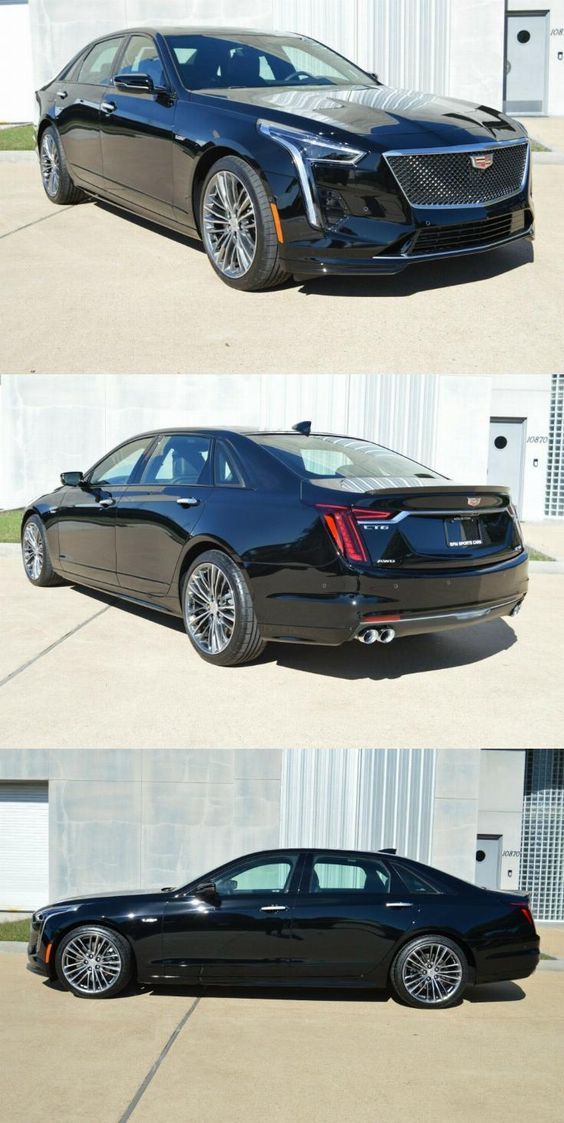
[
  {"x": 277, "y": 223},
  {"x": 48, "y": 950}
]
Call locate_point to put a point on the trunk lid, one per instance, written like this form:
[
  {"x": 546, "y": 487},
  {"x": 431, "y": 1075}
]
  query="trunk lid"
[{"x": 422, "y": 524}]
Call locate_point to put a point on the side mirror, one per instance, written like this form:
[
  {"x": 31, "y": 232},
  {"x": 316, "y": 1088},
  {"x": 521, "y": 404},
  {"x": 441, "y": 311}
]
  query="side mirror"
[
  {"x": 135, "y": 82},
  {"x": 72, "y": 479},
  {"x": 207, "y": 890}
]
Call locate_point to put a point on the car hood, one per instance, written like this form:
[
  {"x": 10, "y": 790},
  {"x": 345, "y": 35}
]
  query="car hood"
[
  {"x": 99, "y": 898},
  {"x": 390, "y": 118}
]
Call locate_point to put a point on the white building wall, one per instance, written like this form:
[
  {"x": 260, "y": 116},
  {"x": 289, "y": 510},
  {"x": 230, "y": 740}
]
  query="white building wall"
[
  {"x": 455, "y": 815},
  {"x": 64, "y": 422},
  {"x": 555, "y": 47},
  {"x": 502, "y": 774},
  {"x": 17, "y": 101},
  {"x": 443, "y": 46}
]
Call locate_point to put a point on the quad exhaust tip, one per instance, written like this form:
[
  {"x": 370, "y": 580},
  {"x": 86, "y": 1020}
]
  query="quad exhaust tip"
[{"x": 376, "y": 635}]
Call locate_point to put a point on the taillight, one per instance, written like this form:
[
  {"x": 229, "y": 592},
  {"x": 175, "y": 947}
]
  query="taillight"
[
  {"x": 526, "y": 912},
  {"x": 341, "y": 523}
]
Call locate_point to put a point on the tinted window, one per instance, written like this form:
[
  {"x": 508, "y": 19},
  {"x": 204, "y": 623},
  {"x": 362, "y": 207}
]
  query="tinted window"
[
  {"x": 210, "y": 62},
  {"x": 361, "y": 875},
  {"x": 414, "y": 881},
  {"x": 225, "y": 471},
  {"x": 98, "y": 66},
  {"x": 327, "y": 457},
  {"x": 141, "y": 57},
  {"x": 265, "y": 876},
  {"x": 178, "y": 459},
  {"x": 119, "y": 466}
]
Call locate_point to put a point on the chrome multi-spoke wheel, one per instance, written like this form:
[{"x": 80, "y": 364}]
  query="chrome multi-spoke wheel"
[
  {"x": 50, "y": 165},
  {"x": 432, "y": 973},
  {"x": 210, "y": 608},
  {"x": 33, "y": 551},
  {"x": 91, "y": 963},
  {"x": 229, "y": 224}
]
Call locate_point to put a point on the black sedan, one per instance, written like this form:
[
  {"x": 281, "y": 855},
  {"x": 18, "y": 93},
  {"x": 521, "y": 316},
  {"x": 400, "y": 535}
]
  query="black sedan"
[
  {"x": 282, "y": 156},
  {"x": 292, "y": 536},
  {"x": 294, "y": 917}
]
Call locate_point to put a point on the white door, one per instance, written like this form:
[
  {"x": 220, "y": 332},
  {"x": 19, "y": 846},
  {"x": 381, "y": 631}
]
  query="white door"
[
  {"x": 488, "y": 861},
  {"x": 506, "y": 455},
  {"x": 527, "y": 62},
  {"x": 24, "y": 846}
]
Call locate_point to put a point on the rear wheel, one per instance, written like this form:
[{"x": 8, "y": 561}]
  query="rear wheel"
[
  {"x": 218, "y": 611},
  {"x": 237, "y": 227},
  {"x": 55, "y": 175},
  {"x": 35, "y": 554},
  {"x": 430, "y": 972},
  {"x": 94, "y": 962}
]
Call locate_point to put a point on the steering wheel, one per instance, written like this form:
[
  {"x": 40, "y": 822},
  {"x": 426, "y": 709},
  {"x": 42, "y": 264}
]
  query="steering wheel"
[{"x": 297, "y": 74}]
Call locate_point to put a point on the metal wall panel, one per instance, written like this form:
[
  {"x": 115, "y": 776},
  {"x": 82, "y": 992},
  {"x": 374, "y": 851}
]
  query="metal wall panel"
[{"x": 360, "y": 799}]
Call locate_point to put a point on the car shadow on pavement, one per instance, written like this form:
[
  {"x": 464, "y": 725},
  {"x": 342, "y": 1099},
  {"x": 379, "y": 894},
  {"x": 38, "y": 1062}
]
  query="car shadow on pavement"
[
  {"x": 410, "y": 656},
  {"x": 424, "y": 276},
  {"x": 495, "y": 992}
]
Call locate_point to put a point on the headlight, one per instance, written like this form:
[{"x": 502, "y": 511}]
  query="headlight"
[{"x": 307, "y": 149}]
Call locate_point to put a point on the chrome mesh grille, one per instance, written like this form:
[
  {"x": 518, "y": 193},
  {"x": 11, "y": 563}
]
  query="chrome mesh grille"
[{"x": 449, "y": 179}]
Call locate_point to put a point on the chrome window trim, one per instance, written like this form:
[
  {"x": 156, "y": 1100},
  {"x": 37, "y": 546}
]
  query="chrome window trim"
[{"x": 495, "y": 146}]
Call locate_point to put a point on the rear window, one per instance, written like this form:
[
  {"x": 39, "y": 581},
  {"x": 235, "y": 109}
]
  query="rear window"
[{"x": 327, "y": 457}]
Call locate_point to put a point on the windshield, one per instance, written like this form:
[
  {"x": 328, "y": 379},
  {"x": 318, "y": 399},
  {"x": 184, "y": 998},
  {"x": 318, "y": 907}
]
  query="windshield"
[
  {"x": 327, "y": 457},
  {"x": 249, "y": 61}
]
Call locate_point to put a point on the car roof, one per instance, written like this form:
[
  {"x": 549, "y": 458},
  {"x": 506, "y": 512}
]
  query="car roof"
[
  {"x": 211, "y": 32},
  {"x": 240, "y": 430}
]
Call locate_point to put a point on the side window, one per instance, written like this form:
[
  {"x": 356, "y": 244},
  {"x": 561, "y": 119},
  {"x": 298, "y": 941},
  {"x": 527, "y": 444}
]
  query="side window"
[
  {"x": 98, "y": 66},
  {"x": 180, "y": 458},
  {"x": 225, "y": 473},
  {"x": 118, "y": 468},
  {"x": 260, "y": 877},
  {"x": 360, "y": 875},
  {"x": 141, "y": 57},
  {"x": 414, "y": 882}
]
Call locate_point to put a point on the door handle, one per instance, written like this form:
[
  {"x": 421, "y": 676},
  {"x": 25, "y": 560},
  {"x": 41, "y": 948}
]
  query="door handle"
[
  {"x": 399, "y": 904},
  {"x": 108, "y": 107},
  {"x": 274, "y": 908},
  {"x": 190, "y": 501},
  {"x": 106, "y": 503},
  {"x": 62, "y": 94}
]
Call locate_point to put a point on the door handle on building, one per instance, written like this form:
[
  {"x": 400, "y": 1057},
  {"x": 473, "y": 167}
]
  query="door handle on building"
[{"x": 273, "y": 908}]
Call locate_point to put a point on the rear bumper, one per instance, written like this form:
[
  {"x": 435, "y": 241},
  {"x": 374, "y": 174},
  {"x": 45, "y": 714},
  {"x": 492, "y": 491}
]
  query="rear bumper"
[
  {"x": 411, "y": 604},
  {"x": 509, "y": 963}
]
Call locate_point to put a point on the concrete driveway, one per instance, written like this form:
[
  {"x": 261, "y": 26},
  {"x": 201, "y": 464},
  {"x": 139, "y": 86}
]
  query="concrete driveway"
[
  {"x": 93, "y": 291},
  {"x": 81, "y": 670},
  {"x": 248, "y": 1056}
]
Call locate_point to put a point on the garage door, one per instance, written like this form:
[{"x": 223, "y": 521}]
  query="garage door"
[{"x": 24, "y": 846}]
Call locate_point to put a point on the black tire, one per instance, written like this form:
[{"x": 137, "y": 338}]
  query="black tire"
[
  {"x": 60, "y": 190},
  {"x": 265, "y": 270},
  {"x": 245, "y": 642},
  {"x": 120, "y": 958},
  {"x": 455, "y": 961},
  {"x": 34, "y": 542}
]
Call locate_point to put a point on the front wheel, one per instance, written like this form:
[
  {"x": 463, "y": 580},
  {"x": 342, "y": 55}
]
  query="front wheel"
[
  {"x": 55, "y": 175},
  {"x": 94, "y": 962},
  {"x": 430, "y": 972},
  {"x": 35, "y": 554},
  {"x": 218, "y": 611},
  {"x": 237, "y": 227}
]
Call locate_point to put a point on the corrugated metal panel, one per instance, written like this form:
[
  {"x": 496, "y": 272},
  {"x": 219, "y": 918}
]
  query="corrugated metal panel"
[
  {"x": 406, "y": 42},
  {"x": 359, "y": 799},
  {"x": 24, "y": 846},
  {"x": 399, "y": 412}
]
